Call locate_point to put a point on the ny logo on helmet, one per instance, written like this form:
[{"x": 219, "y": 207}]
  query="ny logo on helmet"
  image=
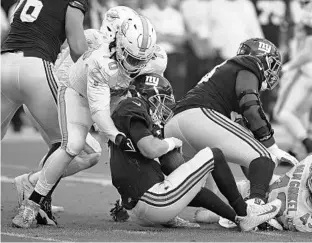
[
  {"x": 150, "y": 80},
  {"x": 264, "y": 47}
]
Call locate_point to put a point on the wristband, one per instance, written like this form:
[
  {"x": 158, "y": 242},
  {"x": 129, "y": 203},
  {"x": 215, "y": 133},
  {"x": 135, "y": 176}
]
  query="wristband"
[{"x": 171, "y": 144}]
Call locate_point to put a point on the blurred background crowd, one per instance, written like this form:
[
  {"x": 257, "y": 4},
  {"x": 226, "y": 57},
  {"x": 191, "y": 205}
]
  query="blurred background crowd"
[{"x": 197, "y": 34}]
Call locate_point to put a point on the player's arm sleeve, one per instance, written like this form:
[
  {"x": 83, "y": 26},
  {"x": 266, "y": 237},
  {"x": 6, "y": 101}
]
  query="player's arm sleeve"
[
  {"x": 98, "y": 93},
  {"x": 151, "y": 147},
  {"x": 75, "y": 32},
  {"x": 303, "y": 57},
  {"x": 247, "y": 91}
]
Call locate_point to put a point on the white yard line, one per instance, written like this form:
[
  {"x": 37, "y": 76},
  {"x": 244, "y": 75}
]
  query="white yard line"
[{"x": 30, "y": 237}]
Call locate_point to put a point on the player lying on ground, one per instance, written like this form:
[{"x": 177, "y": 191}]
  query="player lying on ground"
[
  {"x": 294, "y": 101},
  {"x": 203, "y": 117},
  {"x": 138, "y": 177},
  {"x": 107, "y": 34},
  {"x": 100, "y": 79},
  {"x": 294, "y": 189},
  {"x": 27, "y": 57}
]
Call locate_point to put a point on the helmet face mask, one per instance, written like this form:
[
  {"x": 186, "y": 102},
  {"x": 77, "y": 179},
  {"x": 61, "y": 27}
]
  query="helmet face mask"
[
  {"x": 160, "y": 108},
  {"x": 272, "y": 72},
  {"x": 157, "y": 92}
]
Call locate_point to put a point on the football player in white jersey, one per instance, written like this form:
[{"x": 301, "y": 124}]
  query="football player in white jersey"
[
  {"x": 95, "y": 80},
  {"x": 107, "y": 34},
  {"x": 295, "y": 94},
  {"x": 294, "y": 189}
]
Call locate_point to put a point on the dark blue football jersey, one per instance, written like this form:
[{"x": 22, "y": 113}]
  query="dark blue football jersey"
[
  {"x": 132, "y": 173},
  {"x": 38, "y": 27},
  {"x": 217, "y": 89}
]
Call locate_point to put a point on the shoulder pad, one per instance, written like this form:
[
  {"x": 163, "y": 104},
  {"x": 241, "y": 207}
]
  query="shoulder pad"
[
  {"x": 108, "y": 67},
  {"x": 80, "y": 4},
  {"x": 250, "y": 63}
]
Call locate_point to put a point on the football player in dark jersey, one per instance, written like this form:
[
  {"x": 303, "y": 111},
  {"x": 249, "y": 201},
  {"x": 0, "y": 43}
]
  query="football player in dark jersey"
[
  {"x": 37, "y": 32},
  {"x": 139, "y": 179},
  {"x": 203, "y": 117}
]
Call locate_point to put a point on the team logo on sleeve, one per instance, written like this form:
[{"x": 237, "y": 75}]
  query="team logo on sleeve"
[
  {"x": 264, "y": 47},
  {"x": 150, "y": 80}
]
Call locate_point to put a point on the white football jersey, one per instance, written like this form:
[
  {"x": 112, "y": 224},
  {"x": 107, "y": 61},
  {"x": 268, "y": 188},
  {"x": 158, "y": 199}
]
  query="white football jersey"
[
  {"x": 94, "y": 39},
  {"x": 100, "y": 79},
  {"x": 291, "y": 189}
]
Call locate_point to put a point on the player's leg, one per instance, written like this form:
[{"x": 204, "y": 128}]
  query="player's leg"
[
  {"x": 291, "y": 106},
  {"x": 167, "y": 199},
  {"x": 11, "y": 97},
  {"x": 75, "y": 122},
  {"x": 199, "y": 128}
]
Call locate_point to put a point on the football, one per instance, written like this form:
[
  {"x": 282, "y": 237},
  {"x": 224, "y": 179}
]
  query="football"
[{"x": 171, "y": 160}]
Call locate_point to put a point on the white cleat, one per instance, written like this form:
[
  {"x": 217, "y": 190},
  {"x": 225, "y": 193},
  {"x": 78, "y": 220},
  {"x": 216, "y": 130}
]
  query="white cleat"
[
  {"x": 206, "y": 216},
  {"x": 258, "y": 213},
  {"x": 23, "y": 187},
  {"x": 226, "y": 223},
  {"x": 178, "y": 222}
]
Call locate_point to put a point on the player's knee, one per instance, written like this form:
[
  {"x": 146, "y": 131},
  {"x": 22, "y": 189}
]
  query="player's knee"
[
  {"x": 263, "y": 162},
  {"x": 218, "y": 154},
  {"x": 73, "y": 147}
]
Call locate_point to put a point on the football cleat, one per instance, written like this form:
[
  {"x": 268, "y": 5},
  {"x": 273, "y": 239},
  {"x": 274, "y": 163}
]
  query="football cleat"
[
  {"x": 26, "y": 216},
  {"x": 119, "y": 213},
  {"x": 226, "y": 223},
  {"x": 258, "y": 213},
  {"x": 178, "y": 222},
  {"x": 206, "y": 216},
  {"x": 23, "y": 187},
  {"x": 45, "y": 216}
]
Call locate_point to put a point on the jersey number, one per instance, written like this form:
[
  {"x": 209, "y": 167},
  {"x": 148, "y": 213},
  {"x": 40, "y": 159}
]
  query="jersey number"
[
  {"x": 31, "y": 10},
  {"x": 209, "y": 75}
]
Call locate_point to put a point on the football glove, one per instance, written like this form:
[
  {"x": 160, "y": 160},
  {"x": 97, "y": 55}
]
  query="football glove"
[
  {"x": 281, "y": 156},
  {"x": 119, "y": 213},
  {"x": 124, "y": 143}
]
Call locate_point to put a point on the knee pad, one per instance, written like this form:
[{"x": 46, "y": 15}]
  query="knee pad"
[{"x": 74, "y": 146}]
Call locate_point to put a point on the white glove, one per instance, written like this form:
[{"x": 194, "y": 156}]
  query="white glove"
[{"x": 282, "y": 156}]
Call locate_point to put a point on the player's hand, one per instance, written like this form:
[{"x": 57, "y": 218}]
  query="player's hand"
[
  {"x": 177, "y": 142},
  {"x": 124, "y": 143},
  {"x": 282, "y": 156}
]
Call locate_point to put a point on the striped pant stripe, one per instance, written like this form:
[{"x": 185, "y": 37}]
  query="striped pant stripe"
[
  {"x": 168, "y": 198},
  {"x": 62, "y": 116},
  {"x": 51, "y": 79},
  {"x": 218, "y": 119}
]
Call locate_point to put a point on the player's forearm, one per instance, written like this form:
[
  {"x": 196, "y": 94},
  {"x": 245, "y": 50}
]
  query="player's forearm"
[
  {"x": 152, "y": 147},
  {"x": 105, "y": 124}
]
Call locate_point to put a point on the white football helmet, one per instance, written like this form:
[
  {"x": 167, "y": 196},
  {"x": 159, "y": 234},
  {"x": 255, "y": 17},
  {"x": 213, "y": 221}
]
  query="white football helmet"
[
  {"x": 135, "y": 43},
  {"x": 113, "y": 19}
]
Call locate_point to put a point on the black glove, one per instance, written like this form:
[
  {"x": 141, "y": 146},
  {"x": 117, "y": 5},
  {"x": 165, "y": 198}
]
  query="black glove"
[
  {"x": 124, "y": 143},
  {"x": 119, "y": 213}
]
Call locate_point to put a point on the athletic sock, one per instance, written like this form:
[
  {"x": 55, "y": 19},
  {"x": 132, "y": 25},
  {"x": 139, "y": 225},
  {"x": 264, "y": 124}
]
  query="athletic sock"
[
  {"x": 225, "y": 181},
  {"x": 207, "y": 199},
  {"x": 260, "y": 174}
]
